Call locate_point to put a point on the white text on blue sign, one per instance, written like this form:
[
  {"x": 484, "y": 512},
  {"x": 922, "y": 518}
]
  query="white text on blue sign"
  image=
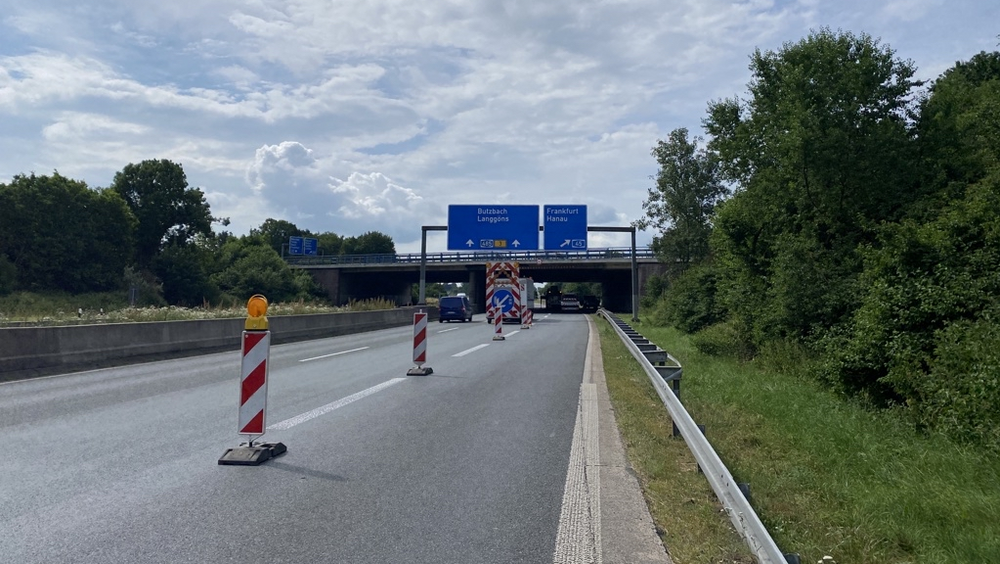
[
  {"x": 559, "y": 214},
  {"x": 492, "y": 215}
]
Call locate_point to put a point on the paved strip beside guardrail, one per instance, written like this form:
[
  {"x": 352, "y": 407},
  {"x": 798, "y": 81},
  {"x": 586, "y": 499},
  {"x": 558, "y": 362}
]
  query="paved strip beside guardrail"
[
  {"x": 740, "y": 512},
  {"x": 35, "y": 351}
]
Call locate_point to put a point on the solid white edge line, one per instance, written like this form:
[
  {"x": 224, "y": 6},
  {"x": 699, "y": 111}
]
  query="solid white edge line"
[
  {"x": 472, "y": 350},
  {"x": 333, "y": 354},
  {"x": 322, "y": 410}
]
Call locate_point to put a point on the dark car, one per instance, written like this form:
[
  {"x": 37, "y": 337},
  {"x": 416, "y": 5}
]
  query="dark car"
[
  {"x": 590, "y": 304},
  {"x": 454, "y": 308}
]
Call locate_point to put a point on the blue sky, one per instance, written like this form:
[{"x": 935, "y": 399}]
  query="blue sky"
[{"x": 351, "y": 116}]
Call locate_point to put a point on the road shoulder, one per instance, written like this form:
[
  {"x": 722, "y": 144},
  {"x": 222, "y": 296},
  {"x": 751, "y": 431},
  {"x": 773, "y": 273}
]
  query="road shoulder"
[{"x": 628, "y": 535}]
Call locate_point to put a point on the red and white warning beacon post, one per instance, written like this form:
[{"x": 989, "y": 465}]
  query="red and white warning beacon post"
[{"x": 252, "y": 418}]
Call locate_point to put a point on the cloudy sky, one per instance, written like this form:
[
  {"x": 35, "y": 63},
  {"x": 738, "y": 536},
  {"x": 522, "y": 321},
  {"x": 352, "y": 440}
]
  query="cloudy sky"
[{"x": 350, "y": 116}]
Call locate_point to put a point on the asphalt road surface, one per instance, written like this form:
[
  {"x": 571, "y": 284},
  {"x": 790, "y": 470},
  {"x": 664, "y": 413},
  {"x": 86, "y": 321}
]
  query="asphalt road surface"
[{"x": 491, "y": 459}]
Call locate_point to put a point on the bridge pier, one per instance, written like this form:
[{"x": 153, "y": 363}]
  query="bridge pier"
[{"x": 477, "y": 290}]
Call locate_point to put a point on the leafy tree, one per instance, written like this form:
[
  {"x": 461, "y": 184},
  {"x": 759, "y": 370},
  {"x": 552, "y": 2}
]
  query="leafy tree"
[
  {"x": 582, "y": 288},
  {"x": 690, "y": 303},
  {"x": 168, "y": 211},
  {"x": 959, "y": 127},
  {"x": 8, "y": 276},
  {"x": 933, "y": 286},
  {"x": 372, "y": 242},
  {"x": 688, "y": 187},
  {"x": 109, "y": 233},
  {"x": 819, "y": 154},
  {"x": 921, "y": 279},
  {"x": 183, "y": 273},
  {"x": 61, "y": 235},
  {"x": 275, "y": 232},
  {"x": 330, "y": 243},
  {"x": 250, "y": 266},
  {"x": 656, "y": 286}
]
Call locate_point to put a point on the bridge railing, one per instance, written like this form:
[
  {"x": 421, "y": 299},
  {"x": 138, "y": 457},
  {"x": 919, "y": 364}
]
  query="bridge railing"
[{"x": 604, "y": 254}]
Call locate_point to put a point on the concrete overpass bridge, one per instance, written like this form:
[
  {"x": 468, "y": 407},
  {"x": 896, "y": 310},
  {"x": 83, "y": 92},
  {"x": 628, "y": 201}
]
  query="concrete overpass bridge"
[{"x": 391, "y": 276}]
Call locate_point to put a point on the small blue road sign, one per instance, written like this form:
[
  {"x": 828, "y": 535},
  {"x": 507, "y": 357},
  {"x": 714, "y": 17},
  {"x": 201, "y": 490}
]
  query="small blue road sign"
[
  {"x": 295, "y": 245},
  {"x": 493, "y": 227},
  {"x": 565, "y": 228},
  {"x": 503, "y": 299},
  {"x": 310, "y": 246}
]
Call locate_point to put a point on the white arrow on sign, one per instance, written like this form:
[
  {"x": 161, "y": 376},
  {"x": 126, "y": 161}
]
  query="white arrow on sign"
[
  {"x": 516, "y": 243},
  {"x": 500, "y": 300},
  {"x": 469, "y": 243},
  {"x": 565, "y": 243}
]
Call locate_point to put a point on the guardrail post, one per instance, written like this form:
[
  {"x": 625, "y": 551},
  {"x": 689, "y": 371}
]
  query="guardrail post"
[{"x": 745, "y": 488}]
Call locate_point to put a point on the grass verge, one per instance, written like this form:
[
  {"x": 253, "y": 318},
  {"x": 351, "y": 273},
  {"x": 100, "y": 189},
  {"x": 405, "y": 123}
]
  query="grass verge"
[
  {"x": 691, "y": 522},
  {"x": 829, "y": 479}
]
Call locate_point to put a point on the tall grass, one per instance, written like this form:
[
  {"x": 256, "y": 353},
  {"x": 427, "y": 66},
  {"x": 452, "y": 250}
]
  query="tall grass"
[
  {"x": 62, "y": 309},
  {"x": 833, "y": 478}
]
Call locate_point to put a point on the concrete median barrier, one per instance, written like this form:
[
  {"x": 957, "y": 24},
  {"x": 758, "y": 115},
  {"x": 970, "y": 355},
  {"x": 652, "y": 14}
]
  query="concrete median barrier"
[{"x": 36, "y": 351}]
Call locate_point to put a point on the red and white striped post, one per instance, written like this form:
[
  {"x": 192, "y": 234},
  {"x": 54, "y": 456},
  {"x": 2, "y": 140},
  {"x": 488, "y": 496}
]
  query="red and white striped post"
[
  {"x": 498, "y": 323},
  {"x": 253, "y": 384},
  {"x": 525, "y": 310},
  {"x": 252, "y": 418},
  {"x": 420, "y": 346}
]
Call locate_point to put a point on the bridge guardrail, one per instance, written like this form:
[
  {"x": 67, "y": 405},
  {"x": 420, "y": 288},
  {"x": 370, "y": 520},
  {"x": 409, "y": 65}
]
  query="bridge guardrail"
[
  {"x": 740, "y": 512},
  {"x": 611, "y": 253}
]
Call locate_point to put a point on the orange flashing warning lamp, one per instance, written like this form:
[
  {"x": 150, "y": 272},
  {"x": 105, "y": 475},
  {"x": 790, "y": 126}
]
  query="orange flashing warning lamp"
[{"x": 257, "y": 308}]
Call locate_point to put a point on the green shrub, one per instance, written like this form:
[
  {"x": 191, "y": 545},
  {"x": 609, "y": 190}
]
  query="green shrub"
[
  {"x": 656, "y": 286},
  {"x": 723, "y": 339},
  {"x": 689, "y": 304},
  {"x": 961, "y": 396},
  {"x": 786, "y": 356}
]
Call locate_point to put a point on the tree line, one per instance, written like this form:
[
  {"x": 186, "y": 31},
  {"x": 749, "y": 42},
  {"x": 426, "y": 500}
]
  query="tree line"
[
  {"x": 152, "y": 232},
  {"x": 845, "y": 216}
]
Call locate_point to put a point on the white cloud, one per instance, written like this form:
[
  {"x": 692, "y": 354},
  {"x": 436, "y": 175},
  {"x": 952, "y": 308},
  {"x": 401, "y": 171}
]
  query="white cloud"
[{"x": 288, "y": 178}]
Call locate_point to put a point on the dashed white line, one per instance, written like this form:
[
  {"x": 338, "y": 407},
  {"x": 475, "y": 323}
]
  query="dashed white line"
[
  {"x": 289, "y": 423},
  {"x": 446, "y": 330},
  {"x": 472, "y": 350},
  {"x": 333, "y": 354}
]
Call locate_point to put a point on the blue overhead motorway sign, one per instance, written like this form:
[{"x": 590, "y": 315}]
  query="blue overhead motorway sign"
[
  {"x": 565, "y": 228},
  {"x": 310, "y": 245},
  {"x": 494, "y": 227}
]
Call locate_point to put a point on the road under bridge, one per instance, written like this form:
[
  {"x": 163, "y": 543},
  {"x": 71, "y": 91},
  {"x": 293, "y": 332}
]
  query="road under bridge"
[{"x": 360, "y": 277}]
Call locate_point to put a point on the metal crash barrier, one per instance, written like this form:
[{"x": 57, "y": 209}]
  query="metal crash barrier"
[{"x": 664, "y": 369}]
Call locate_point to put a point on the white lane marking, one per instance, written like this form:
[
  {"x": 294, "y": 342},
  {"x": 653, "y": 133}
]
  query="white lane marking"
[
  {"x": 512, "y": 333},
  {"x": 333, "y": 354},
  {"x": 446, "y": 330},
  {"x": 472, "y": 350},
  {"x": 289, "y": 423}
]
